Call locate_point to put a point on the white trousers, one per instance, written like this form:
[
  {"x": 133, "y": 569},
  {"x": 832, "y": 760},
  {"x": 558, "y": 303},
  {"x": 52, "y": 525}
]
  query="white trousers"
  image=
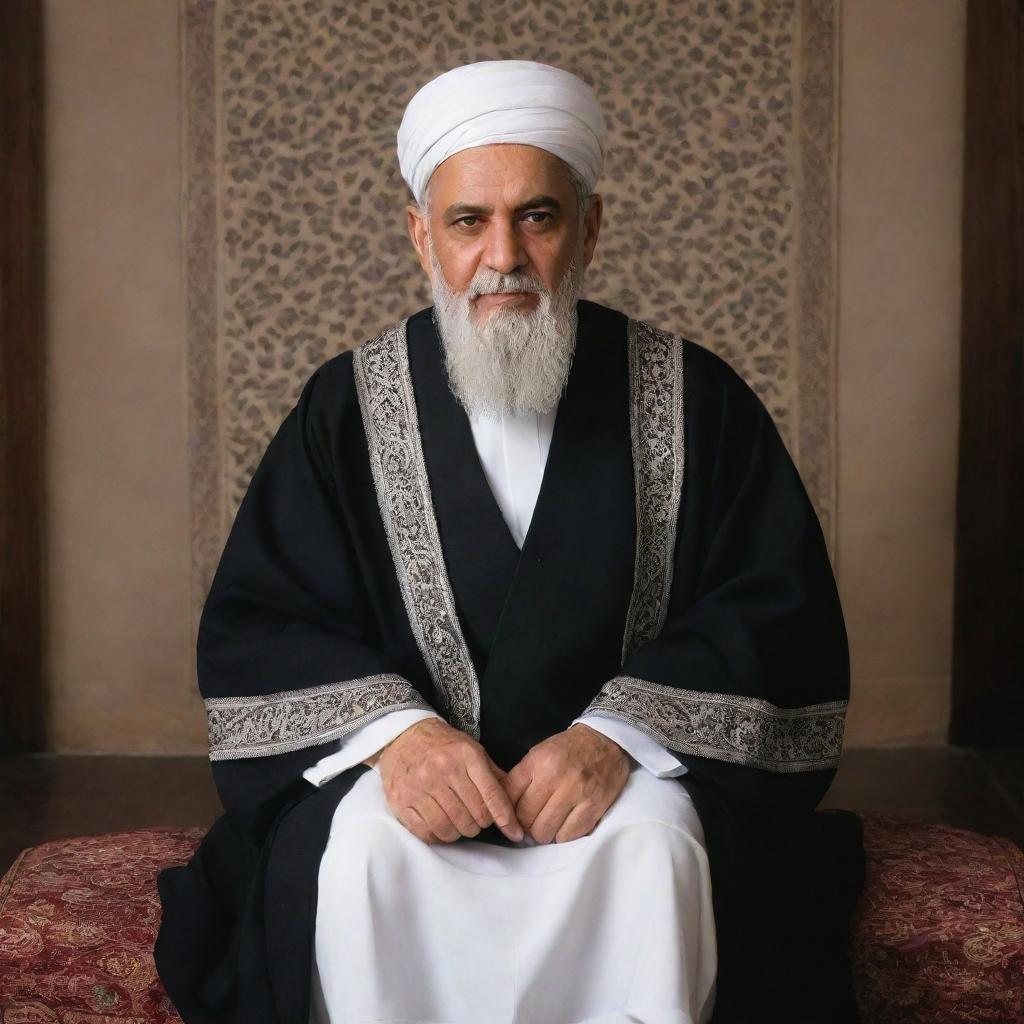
[{"x": 611, "y": 928}]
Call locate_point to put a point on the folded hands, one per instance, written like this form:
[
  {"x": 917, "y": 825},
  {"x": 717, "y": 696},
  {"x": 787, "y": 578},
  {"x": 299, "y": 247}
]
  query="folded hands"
[{"x": 441, "y": 784}]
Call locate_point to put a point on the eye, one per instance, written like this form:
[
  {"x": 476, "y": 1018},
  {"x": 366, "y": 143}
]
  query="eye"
[
  {"x": 465, "y": 220},
  {"x": 543, "y": 214}
]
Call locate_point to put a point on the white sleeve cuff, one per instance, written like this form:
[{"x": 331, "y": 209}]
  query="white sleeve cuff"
[
  {"x": 642, "y": 748},
  {"x": 364, "y": 742}
]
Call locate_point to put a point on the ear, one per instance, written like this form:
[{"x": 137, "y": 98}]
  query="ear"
[
  {"x": 592, "y": 226},
  {"x": 416, "y": 222}
]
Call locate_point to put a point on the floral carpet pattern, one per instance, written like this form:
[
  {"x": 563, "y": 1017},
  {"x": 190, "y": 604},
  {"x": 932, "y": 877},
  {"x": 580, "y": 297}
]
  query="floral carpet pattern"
[
  {"x": 938, "y": 937},
  {"x": 78, "y": 918},
  {"x": 939, "y": 933}
]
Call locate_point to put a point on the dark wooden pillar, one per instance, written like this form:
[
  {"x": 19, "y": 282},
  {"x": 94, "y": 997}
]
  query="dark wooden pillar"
[
  {"x": 988, "y": 641},
  {"x": 22, "y": 696}
]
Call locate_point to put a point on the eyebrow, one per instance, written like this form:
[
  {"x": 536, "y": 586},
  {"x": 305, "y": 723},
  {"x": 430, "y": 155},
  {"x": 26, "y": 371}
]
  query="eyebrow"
[{"x": 536, "y": 202}]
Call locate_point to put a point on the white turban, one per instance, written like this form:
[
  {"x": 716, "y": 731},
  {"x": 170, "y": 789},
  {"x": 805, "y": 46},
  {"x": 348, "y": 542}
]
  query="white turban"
[{"x": 495, "y": 101}]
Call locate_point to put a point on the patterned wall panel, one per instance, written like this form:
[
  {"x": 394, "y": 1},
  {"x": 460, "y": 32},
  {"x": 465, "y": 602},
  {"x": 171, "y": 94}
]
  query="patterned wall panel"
[{"x": 719, "y": 196}]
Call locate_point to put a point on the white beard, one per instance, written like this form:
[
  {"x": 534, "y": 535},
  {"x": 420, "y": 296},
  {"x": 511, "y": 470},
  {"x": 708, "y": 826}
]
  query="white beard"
[{"x": 514, "y": 360}]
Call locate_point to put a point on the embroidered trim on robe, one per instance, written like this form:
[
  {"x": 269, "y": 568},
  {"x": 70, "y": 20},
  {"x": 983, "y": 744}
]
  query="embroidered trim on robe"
[
  {"x": 744, "y": 730},
  {"x": 388, "y": 405},
  {"x": 656, "y": 426},
  {"x": 277, "y": 723}
]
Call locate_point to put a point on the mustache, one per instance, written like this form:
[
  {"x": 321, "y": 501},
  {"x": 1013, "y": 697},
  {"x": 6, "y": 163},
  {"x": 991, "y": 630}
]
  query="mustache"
[{"x": 492, "y": 282}]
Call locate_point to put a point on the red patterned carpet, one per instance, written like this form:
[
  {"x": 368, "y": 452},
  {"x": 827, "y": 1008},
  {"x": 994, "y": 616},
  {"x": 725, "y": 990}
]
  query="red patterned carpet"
[
  {"x": 939, "y": 934},
  {"x": 78, "y": 918}
]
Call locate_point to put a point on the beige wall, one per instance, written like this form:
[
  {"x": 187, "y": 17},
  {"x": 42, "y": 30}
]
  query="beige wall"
[
  {"x": 118, "y": 539},
  {"x": 118, "y": 534},
  {"x": 901, "y": 130}
]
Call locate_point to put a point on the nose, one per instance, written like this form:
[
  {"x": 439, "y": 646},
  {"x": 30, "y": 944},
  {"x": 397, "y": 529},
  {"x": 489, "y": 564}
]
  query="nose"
[{"x": 505, "y": 251}]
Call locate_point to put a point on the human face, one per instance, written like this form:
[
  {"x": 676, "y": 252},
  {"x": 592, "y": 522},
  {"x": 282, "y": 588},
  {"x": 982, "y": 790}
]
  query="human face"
[{"x": 502, "y": 208}]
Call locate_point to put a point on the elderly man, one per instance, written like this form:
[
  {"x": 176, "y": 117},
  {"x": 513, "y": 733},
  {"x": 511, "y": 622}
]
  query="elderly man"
[{"x": 524, "y": 663}]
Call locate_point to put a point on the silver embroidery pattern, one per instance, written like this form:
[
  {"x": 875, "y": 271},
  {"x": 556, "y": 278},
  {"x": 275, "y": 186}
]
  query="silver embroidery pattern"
[
  {"x": 656, "y": 426},
  {"x": 388, "y": 406},
  {"x": 277, "y": 723},
  {"x": 743, "y": 730}
]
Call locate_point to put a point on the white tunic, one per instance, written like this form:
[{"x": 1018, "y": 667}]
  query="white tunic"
[{"x": 612, "y": 928}]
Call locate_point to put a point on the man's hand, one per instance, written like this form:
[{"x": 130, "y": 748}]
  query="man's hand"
[
  {"x": 563, "y": 786},
  {"x": 441, "y": 784}
]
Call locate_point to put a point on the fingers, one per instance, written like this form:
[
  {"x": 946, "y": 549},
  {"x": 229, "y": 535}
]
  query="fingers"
[
  {"x": 437, "y": 820},
  {"x": 470, "y": 796},
  {"x": 551, "y": 816},
  {"x": 412, "y": 820},
  {"x": 495, "y": 798},
  {"x": 445, "y": 816},
  {"x": 516, "y": 781},
  {"x": 582, "y": 820},
  {"x": 532, "y": 801},
  {"x": 441, "y": 817},
  {"x": 449, "y": 779},
  {"x": 457, "y": 811}
]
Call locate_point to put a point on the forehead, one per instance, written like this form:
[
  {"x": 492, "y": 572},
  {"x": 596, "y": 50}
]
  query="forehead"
[{"x": 500, "y": 173}]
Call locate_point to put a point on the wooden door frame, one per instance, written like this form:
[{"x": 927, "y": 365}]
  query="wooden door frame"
[
  {"x": 22, "y": 269},
  {"x": 988, "y": 632}
]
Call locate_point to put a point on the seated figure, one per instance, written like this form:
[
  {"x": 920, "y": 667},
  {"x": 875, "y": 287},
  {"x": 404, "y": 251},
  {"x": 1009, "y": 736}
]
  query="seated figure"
[{"x": 524, "y": 663}]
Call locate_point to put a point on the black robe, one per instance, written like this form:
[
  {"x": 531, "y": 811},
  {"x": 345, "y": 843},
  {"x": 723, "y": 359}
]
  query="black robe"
[{"x": 674, "y": 576}]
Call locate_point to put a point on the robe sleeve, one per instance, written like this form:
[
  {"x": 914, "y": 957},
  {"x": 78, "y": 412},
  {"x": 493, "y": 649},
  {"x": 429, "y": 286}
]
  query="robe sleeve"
[
  {"x": 289, "y": 658},
  {"x": 747, "y": 679}
]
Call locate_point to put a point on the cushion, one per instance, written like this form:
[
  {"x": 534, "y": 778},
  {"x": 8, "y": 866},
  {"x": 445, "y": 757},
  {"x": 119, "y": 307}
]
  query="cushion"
[
  {"x": 938, "y": 937},
  {"x": 78, "y": 919}
]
